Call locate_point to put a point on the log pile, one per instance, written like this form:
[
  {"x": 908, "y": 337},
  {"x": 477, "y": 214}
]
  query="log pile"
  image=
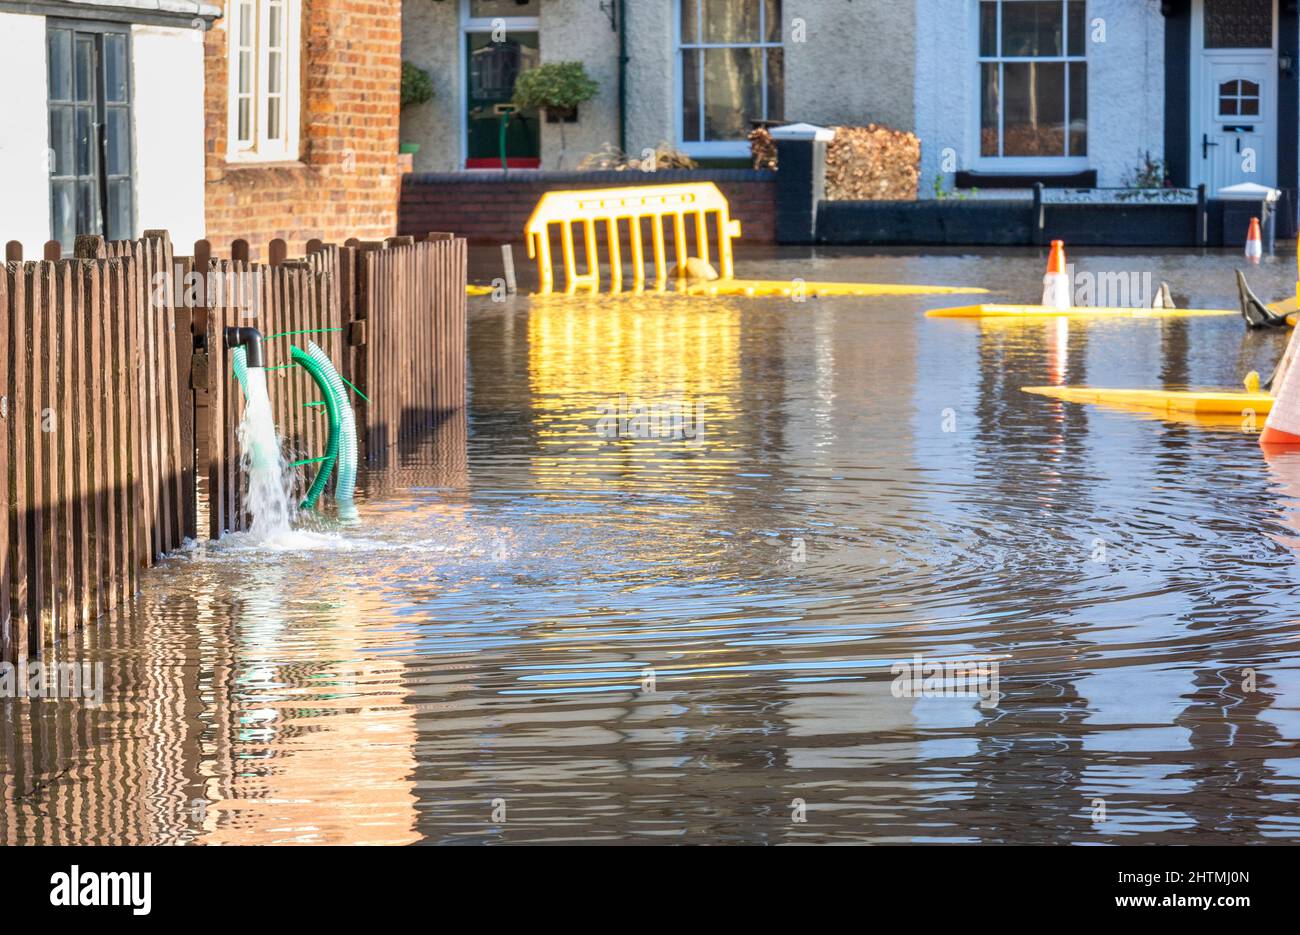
[{"x": 871, "y": 163}]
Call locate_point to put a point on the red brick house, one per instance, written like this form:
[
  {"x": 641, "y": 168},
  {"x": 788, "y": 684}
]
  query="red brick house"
[{"x": 302, "y": 100}]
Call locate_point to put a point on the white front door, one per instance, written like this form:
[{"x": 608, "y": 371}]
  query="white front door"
[
  {"x": 1239, "y": 122},
  {"x": 1234, "y": 106}
]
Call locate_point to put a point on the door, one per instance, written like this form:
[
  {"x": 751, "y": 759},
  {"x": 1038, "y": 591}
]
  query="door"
[
  {"x": 1238, "y": 142},
  {"x": 90, "y": 133},
  {"x": 493, "y": 67},
  {"x": 1234, "y": 94}
]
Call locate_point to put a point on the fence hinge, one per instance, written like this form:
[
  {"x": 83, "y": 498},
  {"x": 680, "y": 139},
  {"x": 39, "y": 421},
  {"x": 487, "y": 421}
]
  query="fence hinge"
[{"x": 357, "y": 333}]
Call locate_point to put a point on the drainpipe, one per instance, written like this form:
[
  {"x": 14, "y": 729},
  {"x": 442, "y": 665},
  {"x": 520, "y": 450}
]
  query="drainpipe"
[
  {"x": 250, "y": 339},
  {"x": 622, "y": 78}
]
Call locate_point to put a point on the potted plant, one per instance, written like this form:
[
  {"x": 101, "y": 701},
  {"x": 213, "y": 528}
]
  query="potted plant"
[
  {"x": 417, "y": 88},
  {"x": 556, "y": 88}
]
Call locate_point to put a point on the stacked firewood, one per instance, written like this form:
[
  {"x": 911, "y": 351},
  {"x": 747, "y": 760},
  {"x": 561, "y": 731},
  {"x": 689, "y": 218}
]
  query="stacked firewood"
[{"x": 871, "y": 163}]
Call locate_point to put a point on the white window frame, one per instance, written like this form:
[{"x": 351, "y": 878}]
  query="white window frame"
[
  {"x": 714, "y": 149},
  {"x": 1025, "y": 164},
  {"x": 260, "y": 146}
]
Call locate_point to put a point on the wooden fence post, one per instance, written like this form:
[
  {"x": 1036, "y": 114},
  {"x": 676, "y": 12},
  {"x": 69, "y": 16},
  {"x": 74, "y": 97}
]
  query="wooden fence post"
[{"x": 6, "y": 620}]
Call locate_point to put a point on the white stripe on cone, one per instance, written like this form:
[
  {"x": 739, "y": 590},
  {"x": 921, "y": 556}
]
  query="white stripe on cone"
[
  {"x": 1283, "y": 424},
  {"x": 1254, "y": 245}
]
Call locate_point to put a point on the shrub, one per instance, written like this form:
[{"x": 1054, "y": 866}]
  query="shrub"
[
  {"x": 417, "y": 86},
  {"x": 555, "y": 85}
]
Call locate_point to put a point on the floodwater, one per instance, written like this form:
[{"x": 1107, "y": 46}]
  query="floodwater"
[{"x": 541, "y": 633}]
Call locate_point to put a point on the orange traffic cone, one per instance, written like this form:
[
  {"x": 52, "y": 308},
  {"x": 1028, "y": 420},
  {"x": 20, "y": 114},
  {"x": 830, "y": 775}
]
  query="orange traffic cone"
[
  {"x": 1254, "y": 242},
  {"x": 1056, "y": 284},
  {"x": 1283, "y": 425}
]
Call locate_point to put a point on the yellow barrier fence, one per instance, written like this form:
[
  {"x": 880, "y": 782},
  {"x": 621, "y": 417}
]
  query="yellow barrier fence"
[{"x": 613, "y": 206}]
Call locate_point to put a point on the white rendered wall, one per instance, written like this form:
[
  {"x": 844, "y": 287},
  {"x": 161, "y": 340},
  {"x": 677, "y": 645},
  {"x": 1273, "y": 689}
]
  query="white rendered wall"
[
  {"x": 167, "y": 69},
  {"x": 24, "y": 134}
]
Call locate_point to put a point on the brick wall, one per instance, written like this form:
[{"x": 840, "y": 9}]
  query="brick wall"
[
  {"x": 345, "y": 181},
  {"x": 490, "y": 206}
]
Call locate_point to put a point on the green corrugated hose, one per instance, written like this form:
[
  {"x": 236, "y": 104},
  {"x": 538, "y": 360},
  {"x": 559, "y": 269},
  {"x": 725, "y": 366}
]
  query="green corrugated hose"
[
  {"x": 313, "y": 366},
  {"x": 345, "y": 481}
]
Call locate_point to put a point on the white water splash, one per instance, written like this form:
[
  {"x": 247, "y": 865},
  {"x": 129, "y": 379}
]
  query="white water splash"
[{"x": 262, "y": 461}]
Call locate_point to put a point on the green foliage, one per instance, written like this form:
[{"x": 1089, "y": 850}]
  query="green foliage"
[
  {"x": 417, "y": 86},
  {"x": 1149, "y": 173},
  {"x": 941, "y": 193},
  {"x": 557, "y": 85}
]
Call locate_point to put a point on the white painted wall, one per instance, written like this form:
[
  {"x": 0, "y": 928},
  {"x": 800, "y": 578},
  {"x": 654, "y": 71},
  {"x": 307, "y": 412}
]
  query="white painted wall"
[
  {"x": 1126, "y": 87},
  {"x": 946, "y": 89},
  {"x": 855, "y": 64},
  {"x": 167, "y": 69},
  {"x": 24, "y": 134},
  {"x": 431, "y": 39}
]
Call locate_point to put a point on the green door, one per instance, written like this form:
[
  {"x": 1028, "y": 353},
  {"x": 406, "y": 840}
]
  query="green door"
[{"x": 493, "y": 67}]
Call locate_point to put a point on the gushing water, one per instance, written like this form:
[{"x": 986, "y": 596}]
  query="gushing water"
[{"x": 262, "y": 461}]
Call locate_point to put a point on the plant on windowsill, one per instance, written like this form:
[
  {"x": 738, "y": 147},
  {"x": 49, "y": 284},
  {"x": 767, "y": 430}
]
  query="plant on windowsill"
[
  {"x": 417, "y": 88},
  {"x": 557, "y": 88},
  {"x": 941, "y": 193}
]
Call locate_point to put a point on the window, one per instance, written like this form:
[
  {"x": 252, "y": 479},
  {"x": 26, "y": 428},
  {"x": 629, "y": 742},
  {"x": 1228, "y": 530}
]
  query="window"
[
  {"x": 264, "y": 79},
  {"x": 1033, "y": 78},
  {"x": 1238, "y": 24},
  {"x": 1239, "y": 98},
  {"x": 732, "y": 72},
  {"x": 89, "y": 75}
]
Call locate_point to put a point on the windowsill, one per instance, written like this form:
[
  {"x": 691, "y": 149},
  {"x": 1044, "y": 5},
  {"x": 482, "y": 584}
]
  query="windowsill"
[
  {"x": 1053, "y": 176},
  {"x": 265, "y": 163},
  {"x": 729, "y": 149}
]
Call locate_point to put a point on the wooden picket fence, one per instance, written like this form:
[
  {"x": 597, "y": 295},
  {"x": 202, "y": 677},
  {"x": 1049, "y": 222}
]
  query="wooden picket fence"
[
  {"x": 119, "y": 411},
  {"x": 91, "y": 460},
  {"x": 410, "y": 361}
]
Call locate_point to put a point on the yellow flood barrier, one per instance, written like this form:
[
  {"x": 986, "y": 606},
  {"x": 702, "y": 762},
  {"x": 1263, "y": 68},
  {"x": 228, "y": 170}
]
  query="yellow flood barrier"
[
  {"x": 1288, "y": 307},
  {"x": 610, "y": 206},
  {"x": 1081, "y": 311},
  {"x": 1200, "y": 402},
  {"x": 686, "y": 209}
]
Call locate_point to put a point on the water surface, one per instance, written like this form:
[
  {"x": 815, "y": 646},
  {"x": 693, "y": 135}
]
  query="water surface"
[{"x": 541, "y": 634}]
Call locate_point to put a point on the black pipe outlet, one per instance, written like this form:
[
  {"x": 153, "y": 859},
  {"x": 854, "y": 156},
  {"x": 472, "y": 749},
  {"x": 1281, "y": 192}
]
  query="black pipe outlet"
[{"x": 250, "y": 339}]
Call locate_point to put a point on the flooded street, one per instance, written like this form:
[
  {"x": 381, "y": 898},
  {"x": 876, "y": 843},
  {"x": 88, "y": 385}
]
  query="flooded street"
[{"x": 568, "y": 617}]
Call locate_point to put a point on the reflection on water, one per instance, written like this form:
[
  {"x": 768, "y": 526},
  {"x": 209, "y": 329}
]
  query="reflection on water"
[{"x": 544, "y": 632}]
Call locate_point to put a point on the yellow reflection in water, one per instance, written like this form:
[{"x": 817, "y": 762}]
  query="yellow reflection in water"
[{"x": 596, "y": 364}]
